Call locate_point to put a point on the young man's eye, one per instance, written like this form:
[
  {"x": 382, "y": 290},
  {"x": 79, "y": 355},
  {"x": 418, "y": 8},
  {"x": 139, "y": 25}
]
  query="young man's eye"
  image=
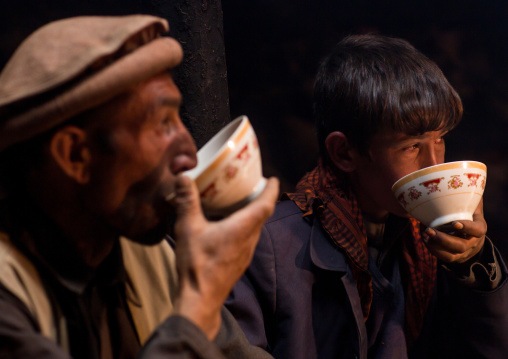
[{"x": 412, "y": 147}]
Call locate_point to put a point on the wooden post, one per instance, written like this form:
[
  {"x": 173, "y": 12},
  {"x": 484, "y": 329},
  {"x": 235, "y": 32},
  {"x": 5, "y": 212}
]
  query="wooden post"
[{"x": 202, "y": 77}]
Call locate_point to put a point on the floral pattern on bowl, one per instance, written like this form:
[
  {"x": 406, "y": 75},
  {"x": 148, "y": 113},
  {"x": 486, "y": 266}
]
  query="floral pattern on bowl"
[{"x": 443, "y": 193}]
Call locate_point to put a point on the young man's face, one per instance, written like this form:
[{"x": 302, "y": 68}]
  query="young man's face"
[
  {"x": 392, "y": 156},
  {"x": 149, "y": 146}
]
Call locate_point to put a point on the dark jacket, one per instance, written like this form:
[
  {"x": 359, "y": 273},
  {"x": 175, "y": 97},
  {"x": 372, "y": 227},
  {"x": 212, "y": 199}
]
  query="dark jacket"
[{"x": 299, "y": 299}]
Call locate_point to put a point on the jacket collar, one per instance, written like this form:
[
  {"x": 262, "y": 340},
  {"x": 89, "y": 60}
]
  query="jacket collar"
[{"x": 323, "y": 253}]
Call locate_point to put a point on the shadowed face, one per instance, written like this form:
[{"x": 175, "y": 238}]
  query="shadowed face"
[
  {"x": 392, "y": 156},
  {"x": 146, "y": 145}
]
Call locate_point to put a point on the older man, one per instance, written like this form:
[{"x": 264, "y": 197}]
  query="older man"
[{"x": 91, "y": 144}]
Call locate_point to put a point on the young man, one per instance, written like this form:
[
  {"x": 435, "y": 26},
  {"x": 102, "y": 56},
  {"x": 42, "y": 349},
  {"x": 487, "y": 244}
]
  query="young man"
[
  {"x": 341, "y": 271},
  {"x": 91, "y": 144}
]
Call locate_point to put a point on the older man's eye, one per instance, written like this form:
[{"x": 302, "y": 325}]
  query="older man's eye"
[{"x": 166, "y": 122}]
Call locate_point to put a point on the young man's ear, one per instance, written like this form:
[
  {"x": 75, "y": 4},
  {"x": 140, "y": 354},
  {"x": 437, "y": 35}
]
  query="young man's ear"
[
  {"x": 69, "y": 149},
  {"x": 341, "y": 153}
]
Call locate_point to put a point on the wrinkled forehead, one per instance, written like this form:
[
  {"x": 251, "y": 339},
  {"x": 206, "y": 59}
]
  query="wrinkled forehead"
[
  {"x": 158, "y": 93},
  {"x": 140, "y": 102}
]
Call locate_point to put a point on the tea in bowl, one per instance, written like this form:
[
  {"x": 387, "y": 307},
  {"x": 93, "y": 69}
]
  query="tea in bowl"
[
  {"x": 229, "y": 171},
  {"x": 440, "y": 194}
]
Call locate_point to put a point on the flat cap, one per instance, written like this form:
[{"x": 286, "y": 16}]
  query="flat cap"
[{"x": 69, "y": 66}]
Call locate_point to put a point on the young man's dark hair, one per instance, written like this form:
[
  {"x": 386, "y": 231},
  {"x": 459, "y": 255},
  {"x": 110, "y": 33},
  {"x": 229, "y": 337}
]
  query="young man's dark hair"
[
  {"x": 370, "y": 83},
  {"x": 341, "y": 270}
]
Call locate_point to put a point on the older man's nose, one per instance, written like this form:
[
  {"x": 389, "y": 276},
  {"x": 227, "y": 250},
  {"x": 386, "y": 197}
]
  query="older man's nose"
[{"x": 186, "y": 157}]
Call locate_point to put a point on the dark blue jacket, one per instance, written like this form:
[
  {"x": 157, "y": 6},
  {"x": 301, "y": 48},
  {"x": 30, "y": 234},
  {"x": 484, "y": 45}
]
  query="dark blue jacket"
[{"x": 299, "y": 300}]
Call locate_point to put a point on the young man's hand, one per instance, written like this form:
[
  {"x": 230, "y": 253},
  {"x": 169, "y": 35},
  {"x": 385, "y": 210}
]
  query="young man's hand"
[
  {"x": 212, "y": 256},
  {"x": 464, "y": 242}
]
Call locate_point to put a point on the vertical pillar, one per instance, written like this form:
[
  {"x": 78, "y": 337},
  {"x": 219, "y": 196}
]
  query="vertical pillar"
[{"x": 202, "y": 77}]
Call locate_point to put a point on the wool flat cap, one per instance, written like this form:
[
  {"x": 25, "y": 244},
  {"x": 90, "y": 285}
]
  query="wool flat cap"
[{"x": 69, "y": 66}]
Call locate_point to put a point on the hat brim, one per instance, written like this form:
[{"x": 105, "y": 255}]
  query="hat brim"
[{"x": 151, "y": 59}]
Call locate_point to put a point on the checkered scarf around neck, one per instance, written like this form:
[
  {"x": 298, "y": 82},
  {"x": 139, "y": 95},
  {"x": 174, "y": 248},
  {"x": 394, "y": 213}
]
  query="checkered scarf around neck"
[{"x": 318, "y": 193}]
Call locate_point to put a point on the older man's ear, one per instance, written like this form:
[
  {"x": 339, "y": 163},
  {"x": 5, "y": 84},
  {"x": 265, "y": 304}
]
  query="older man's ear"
[{"x": 69, "y": 149}]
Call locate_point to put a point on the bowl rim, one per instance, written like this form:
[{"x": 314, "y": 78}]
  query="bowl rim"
[
  {"x": 437, "y": 168},
  {"x": 243, "y": 124}
]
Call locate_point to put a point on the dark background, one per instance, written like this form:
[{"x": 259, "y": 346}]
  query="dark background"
[{"x": 273, "y": 49}]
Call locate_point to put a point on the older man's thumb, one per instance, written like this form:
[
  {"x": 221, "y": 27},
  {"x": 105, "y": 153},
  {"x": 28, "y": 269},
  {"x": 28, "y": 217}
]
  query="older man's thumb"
[{"x": 187, "y": 198}]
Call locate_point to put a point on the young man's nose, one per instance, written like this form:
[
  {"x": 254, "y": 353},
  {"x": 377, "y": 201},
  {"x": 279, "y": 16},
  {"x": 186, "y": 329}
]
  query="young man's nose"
[{"x": 431, "y": 158}]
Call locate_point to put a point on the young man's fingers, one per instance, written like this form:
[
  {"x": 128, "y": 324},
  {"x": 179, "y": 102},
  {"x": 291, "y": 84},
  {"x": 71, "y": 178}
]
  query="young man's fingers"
[
  {"x": 447, "y": 257},
  {"x": 475, "y": 228},
  {"x": 448, "y": 247},
  {"x": 452, "y": 244}
]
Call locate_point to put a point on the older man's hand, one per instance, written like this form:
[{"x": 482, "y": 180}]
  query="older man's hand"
[{"x": 212, "y": 256}]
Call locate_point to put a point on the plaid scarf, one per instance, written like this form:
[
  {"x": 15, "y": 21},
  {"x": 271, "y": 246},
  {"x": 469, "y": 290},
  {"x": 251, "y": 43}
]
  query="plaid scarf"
[{"x": 318, "y": 193}]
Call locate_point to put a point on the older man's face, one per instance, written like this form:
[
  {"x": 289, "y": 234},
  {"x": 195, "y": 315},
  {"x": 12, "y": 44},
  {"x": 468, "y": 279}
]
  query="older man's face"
[{"x": 149, "y": 147}]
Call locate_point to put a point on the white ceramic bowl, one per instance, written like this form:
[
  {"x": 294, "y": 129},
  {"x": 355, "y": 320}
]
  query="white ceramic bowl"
[
  {"x": 443, "y": 193},
  {"x": 229, "y": 171}
]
